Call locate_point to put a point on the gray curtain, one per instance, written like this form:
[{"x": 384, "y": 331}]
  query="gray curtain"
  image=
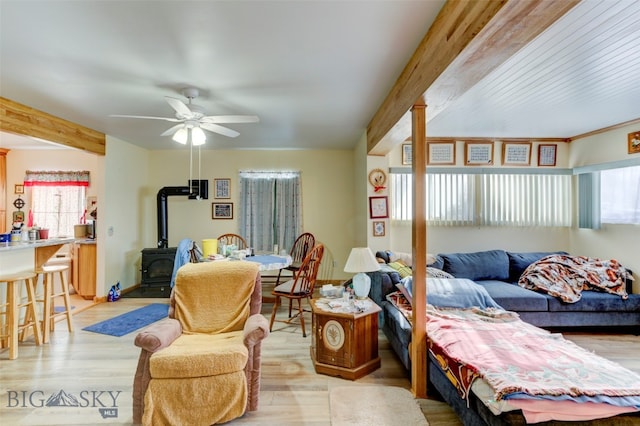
[{"x": 270, "y": 209}]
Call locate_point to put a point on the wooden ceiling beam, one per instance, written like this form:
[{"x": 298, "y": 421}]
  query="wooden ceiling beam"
[
  {"x": 468, "y": 39},
  {"x": 23, "y": 120}
]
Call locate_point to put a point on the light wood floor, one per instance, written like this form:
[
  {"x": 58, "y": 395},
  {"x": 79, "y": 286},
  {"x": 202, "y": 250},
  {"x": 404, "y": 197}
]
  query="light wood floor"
[{"x": 84, "y": 364}]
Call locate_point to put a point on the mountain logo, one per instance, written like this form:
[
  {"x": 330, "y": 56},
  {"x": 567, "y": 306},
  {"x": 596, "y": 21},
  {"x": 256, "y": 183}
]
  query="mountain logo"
[{"x": 62, "y": 399}]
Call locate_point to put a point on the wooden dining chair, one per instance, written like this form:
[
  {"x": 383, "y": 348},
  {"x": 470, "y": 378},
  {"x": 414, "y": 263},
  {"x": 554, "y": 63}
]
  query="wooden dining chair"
[
  {"x": 232, "y": 239},
  {"x": 299, "y": 251},
  {"x": 300, "y": 287}
]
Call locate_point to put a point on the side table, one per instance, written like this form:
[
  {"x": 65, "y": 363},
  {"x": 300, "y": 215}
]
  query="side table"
[{"x": 344, "y": 344}]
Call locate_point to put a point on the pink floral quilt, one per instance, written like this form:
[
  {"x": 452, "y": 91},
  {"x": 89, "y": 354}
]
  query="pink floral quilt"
[
  {"x": 566, "y": 277},
  {"x": 514, "y": 356}
]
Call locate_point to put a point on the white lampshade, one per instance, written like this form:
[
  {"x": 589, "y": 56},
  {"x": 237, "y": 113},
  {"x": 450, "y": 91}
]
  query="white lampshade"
[
  {"x": 197, "y": 136},
  {"x": 181, "y": 136},
  {"x": 361, "y": 260}
]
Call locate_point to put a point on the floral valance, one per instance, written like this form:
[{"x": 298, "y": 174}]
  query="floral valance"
[{"x": 56, "y": 178}]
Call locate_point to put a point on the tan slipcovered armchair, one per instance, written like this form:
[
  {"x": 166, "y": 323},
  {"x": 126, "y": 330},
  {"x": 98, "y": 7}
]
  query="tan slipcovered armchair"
[{"x": 201, "y": 365}]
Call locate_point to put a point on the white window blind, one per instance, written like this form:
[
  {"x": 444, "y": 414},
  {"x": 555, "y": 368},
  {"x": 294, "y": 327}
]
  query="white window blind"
[
  {"x": 450, "y": 199},
  {"x": 455, "y": 199},
  {"x": 525, "y": 200},
  {"x": 620, "y": 195}
]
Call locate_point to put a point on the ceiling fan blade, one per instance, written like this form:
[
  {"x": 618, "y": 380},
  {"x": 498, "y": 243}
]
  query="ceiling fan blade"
[
  {"x": 180, "y": 107},
  {"x": 172, "y": 130},
  {"x": 174, "y": 120},
  {"x": 230, "y": 119},
  {"x": 219, "y": 129}
]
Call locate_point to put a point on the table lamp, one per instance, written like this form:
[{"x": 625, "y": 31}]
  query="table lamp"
[{"x": 361, "y": 260}]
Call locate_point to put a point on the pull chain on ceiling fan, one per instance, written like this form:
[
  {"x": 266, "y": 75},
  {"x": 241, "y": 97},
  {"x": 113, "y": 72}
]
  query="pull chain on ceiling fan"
[{"x": 192, "y": 120}]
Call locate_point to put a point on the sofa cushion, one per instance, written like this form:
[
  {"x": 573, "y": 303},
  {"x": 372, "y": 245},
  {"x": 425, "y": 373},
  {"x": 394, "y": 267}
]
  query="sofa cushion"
[
  {"x": 481, "y": 265},
  {"x": 518, "y": 262},
  {"x": 515, "y": 298},
  {"x": 200, "y": 355},
  {"x": 595, "y": 301},
  {"x": 382, "y": 283}
]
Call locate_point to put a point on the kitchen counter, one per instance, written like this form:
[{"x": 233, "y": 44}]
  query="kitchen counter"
[
  {"x": 21, "y": 245},
  {"x": 20, "y": 256}
]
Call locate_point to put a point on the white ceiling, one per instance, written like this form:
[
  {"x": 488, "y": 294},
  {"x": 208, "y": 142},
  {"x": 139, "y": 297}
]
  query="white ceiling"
[
  {"x": 314, "y": 72},
  {"x": 580, "y": 75}
]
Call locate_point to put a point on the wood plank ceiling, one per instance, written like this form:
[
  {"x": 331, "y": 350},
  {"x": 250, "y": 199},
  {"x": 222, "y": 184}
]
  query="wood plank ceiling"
[{"x": 537, "y": 70}]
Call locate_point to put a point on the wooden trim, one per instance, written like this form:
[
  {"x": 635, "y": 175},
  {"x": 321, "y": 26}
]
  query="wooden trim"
[
  {"x": 605, "y": 129},
  {"x": 492, "y": 139},
  {"x": 468, "y": 39},
  {"x": 24, "y": 120}
]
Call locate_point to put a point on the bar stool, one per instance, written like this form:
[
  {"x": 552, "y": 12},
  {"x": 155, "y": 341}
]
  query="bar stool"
[
  {"x": 49, "y": 295},
  {"x": 11, "y": 310}
]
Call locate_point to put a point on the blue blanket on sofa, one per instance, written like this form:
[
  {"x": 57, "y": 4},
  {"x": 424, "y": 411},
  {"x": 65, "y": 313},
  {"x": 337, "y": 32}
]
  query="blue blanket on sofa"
[{"x": 453, "y": 293}]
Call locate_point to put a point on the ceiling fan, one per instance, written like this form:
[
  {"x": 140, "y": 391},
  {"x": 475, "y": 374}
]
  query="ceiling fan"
[{"x": 192, "y": 120}]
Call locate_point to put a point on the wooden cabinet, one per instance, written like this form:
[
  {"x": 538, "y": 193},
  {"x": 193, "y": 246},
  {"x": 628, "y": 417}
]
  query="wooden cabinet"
[
  {"x": 345, "y": 344},
  {"x": 84, "y": 269}
]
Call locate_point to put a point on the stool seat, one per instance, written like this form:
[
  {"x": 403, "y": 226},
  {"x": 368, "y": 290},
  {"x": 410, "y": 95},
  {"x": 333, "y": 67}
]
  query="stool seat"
[
  {"x": 17, "y": 276},
  {"x": 11, "y": 310},
  {"x": 49, "y": 314}
]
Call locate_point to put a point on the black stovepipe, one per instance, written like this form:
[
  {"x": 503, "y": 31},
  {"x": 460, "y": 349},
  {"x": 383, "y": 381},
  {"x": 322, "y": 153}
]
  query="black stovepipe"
[{"x": 163, "y": 223}]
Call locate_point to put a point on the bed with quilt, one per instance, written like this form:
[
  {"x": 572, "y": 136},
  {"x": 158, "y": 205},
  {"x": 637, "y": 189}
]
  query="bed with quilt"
[{"x": 495, "y": 369}]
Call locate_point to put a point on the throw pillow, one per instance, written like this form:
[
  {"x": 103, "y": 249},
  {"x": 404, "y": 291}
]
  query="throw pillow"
[
  {"x": 403, "y": 270},
  {"x": 398, "y": 256},
  {"x": 437, "y": 273}
]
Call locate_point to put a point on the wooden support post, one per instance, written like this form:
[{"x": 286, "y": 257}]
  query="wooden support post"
[{"x": 418, "y": 350}]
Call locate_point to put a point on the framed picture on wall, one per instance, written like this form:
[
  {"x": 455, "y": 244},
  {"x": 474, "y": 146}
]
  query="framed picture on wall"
[
  {"x": 222, "y": 210},
  {"x": 634, "y": 142},
  {"x": 378, "y": 228},
  {"x": 516, "y": 153},
  {"x": 407, "y": 154},
  {"x": 441, "y": 153},
  {"x": 18, "y": 188},
  {"x": 547, "y": 154},
  {"x": 222, "y": 188},
  {"x": 378, "y": 207},
  {"x": 478, "y": 153}
]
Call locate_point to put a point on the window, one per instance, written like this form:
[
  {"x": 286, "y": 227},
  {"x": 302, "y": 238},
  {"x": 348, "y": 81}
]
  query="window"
[
  {"x": 270, "y": 209},
  {"x": 456, "y": 199},
  {"x": 620, "y": 195},
  {"x": 57, "y": 200}
]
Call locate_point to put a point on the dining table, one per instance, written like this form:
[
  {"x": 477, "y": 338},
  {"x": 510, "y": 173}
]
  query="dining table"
[{"x": 270, "y": 262}]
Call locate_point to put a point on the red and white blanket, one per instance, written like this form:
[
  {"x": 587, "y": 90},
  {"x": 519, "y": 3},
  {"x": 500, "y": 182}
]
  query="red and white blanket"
[
  {"x": 566, "y": 277},
  {"x": 516, "y": 357},
  {"x": 518, "y": 360}
]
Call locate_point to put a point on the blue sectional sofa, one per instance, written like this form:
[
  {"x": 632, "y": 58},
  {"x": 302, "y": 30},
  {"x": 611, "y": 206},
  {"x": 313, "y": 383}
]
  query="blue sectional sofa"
[{"x": 498, "y": 272}]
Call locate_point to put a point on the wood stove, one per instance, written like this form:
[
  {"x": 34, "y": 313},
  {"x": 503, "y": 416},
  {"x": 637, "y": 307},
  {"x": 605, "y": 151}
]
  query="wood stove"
[
  {"x": 157, "y": 263},
  {"x": 157, "y": 267}
]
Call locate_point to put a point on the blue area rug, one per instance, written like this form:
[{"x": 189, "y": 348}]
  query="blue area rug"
[{"x": 130, "y": 321}]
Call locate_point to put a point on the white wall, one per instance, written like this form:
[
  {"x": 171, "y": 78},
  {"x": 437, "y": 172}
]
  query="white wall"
[
  {"x": 329, "y": 210},
  {"x": 473, "y": 238},
  {"x": 121, "y": 229},
  {"x": 619, "y": 242}
]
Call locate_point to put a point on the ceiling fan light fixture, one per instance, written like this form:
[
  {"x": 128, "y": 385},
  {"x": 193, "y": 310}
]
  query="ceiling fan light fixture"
[
  {"x": 197, "y": 136},
  {"x": 181, "y": 136}
]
